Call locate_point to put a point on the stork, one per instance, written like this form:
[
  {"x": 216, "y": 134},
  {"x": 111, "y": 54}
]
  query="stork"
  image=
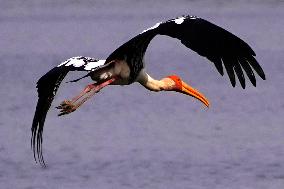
[{"x": 125, "y": 66}]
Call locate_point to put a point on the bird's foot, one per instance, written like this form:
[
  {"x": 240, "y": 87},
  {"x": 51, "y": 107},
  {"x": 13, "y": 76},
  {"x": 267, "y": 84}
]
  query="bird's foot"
[
  {"x": 69, "y": 106},
  {"x": 66, "y": 107}
]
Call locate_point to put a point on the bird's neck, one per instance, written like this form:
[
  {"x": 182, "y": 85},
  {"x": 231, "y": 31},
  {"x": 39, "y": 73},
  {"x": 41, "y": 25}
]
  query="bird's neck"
[{"x": 152, "y": 84}]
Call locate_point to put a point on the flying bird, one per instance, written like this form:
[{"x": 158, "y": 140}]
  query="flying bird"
[{"x": 125, "y": 66}]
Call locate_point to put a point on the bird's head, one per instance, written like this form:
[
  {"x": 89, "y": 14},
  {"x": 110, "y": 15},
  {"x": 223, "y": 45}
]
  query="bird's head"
[{"x": 174, "y": 83}]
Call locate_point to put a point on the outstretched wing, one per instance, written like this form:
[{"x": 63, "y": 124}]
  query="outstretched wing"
[
  {"x": 209, "y": 40},
  {"x": 47, "y": 87}
]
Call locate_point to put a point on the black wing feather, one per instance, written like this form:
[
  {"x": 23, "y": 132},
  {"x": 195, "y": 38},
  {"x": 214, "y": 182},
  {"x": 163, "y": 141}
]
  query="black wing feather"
[
  {"x": 248, "y": 70},
  {"x": 230, "y": 69},
  {"x": 252, "y": 61},
  {"x": 47, "y": 87},
  {"x": 239, "y": 73},
  {"x": 218, "y": 63},
  {"x": 203, "y": 37}
]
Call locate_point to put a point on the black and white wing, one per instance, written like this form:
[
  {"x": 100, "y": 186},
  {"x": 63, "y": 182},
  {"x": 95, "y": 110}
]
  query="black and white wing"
[
  {"x": 209, "y": 40},
  {"x": 47, "y": 87}
]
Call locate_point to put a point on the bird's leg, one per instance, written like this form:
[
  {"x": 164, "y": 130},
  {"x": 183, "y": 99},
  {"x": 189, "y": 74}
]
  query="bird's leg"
[
  {"x": 68, "y": 106},
  {"x": 87, "y": 89}
]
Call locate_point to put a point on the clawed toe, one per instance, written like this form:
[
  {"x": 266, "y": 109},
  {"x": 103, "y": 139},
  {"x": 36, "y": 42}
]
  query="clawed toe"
[
  {"x": 65, "y": 104},
  {"x": 66, "y": 107}
]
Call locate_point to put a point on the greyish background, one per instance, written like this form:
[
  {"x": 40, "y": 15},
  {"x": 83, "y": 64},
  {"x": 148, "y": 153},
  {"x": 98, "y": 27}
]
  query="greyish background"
[{"x": 128, "y": 137}]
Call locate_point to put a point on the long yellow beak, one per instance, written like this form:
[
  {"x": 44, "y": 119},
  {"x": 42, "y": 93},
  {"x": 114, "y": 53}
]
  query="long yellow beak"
[{"x": 186, "y": 89}]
